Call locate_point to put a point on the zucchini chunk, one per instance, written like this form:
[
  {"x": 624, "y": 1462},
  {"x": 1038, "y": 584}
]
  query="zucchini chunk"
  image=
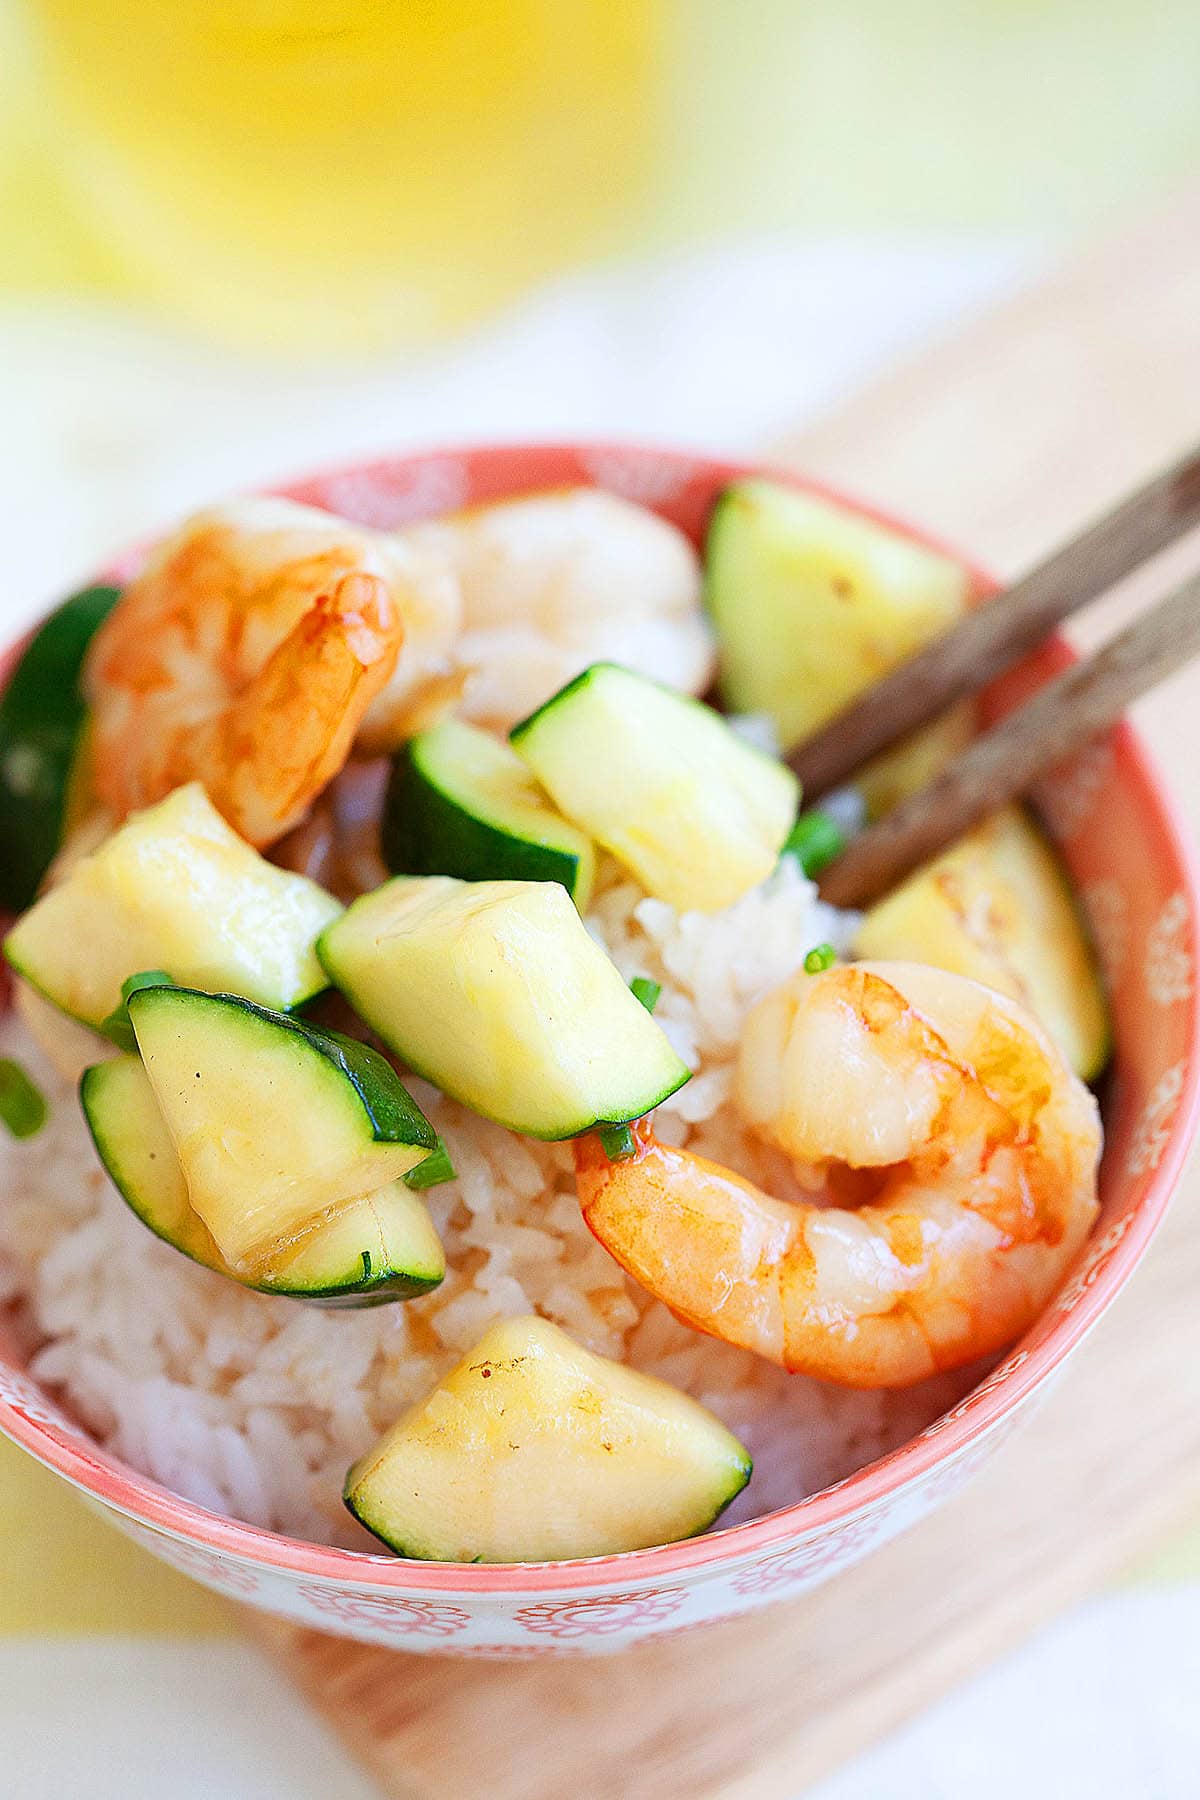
[
  {"x": 496, "y": 992},
  {"x": 275, "y": 1123},
  {"x": 662, "y": 781},
  {"x": 381, "y": 1248},
  {"x": 174, "y": 888},
  {"x": 912, "y": 763},
  {"x": 998, "y": 906},
  {"x": 534, "y": 1449},
  {"x": 814, "y": 603},
  {"x": 42, "y": 719},
  {"x": 133, "y": 1143},
  {"x": 460, "y": 802}
]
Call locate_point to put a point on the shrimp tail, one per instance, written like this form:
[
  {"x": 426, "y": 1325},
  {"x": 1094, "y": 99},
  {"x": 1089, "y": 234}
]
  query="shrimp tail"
[
  {"x": 299, "y": 715},
  {"x": 245, "y": 655}
]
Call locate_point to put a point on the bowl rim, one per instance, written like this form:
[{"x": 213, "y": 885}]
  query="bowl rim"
[{"x": 96, "y": 1473}]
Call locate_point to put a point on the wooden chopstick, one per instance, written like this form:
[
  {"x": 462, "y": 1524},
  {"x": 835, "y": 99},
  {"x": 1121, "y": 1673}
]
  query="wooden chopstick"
[
  {"x": 1006, "y": 761},
  {"x": 993, "y": 636}
]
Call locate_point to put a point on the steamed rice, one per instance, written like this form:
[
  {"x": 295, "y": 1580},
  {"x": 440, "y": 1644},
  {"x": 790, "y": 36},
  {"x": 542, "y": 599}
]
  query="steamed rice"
[{"x": 255, "y": 1406}]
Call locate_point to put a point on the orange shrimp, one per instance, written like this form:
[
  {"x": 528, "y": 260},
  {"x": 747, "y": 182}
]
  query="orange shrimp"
[
  {"x": 245, "y": 655},
  {"x": 952, "y": 1157}
]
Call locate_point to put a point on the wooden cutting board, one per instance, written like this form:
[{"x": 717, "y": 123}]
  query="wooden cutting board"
[{"x": 1003, "y": 439}]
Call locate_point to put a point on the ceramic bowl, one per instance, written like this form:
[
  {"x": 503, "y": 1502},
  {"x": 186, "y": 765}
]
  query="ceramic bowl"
[{"x": 1117, "y": 829}]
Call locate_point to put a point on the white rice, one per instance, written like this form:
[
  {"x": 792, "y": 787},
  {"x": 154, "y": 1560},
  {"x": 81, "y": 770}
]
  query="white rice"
[{"x": 256, "y": 1406}]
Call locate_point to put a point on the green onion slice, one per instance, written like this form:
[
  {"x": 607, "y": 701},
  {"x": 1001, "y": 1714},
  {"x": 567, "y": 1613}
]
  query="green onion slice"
[
  {"x": 22, "y": 1105},
  {"x": 117, "y": 1028},
  {"x": 815, "y": 841},
  {"x": 436, "y": 1169},
  {"x": 645, "y": 990},
  {"x": 618, "y": 1142}
]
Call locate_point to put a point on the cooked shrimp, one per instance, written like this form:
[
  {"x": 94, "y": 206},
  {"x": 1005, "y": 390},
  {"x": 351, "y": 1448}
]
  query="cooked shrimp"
[
  {"x": 550, "y": 583},
  {"x": 245, "y": 655},
  {"x": 951, "y": 1154}
]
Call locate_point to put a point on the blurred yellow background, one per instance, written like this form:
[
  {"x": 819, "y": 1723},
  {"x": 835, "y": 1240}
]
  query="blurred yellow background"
[{"x": 337, "y": 174}]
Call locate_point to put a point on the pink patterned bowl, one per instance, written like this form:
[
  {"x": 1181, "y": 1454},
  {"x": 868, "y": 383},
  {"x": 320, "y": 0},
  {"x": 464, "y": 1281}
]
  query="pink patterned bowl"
[{"x": 1130, "y": 861}]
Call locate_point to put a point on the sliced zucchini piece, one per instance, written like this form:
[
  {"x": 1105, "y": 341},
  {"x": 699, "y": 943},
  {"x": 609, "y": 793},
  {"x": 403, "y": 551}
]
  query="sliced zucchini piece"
[
  {"x": 42, "y": 717},
  {"x": 460, "y": 802},
  {"x": 174, "y": 888},
  {"x": 133, "y": 1143},
  {"x": 911, "y": 764},
  {"x": 275, "y": 1123},
  {"x": 534, "y": 1449},
  {"x": 662, "y": 781},
  {"x": 496, "y": 992},
  {"x": 998, "y": 906},
  {"x": 813, "y": 603},
  {"x": 381, "y": 1248}
]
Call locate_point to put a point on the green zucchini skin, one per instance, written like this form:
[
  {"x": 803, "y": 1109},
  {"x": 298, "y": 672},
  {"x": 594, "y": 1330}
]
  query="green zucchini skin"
[
  {"x": 42, "y": 714},
  {"x": 413, "y": 1262},
  {"x": 663, "y": 783},
  {"x": 396, "y": 1255},
  {"x": 439, "y": 817},
  {"x": 394, "y": 1116},
  {"x": 276, "y": 1122},
  {"x": 578, "y": 684}
]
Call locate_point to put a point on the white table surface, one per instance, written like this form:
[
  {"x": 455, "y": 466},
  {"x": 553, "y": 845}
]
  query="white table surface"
[{"x": 112, "y": 429}]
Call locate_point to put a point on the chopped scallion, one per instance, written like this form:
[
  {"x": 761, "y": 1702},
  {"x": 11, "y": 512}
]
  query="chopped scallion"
[
  {"x": 145, "y": 978},
  {"x": 815, "y": 841},
  {"x": 436, "y": 1168},
  {"x": 117, "y": 1027},
  {"x": 822, "y": 957},
  {"x": 118, "y": 1030},
  {"x": 618, "y": 1142},
  {"x": 22, "y": 1106},
  {"x": 645, "y": 990}
]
